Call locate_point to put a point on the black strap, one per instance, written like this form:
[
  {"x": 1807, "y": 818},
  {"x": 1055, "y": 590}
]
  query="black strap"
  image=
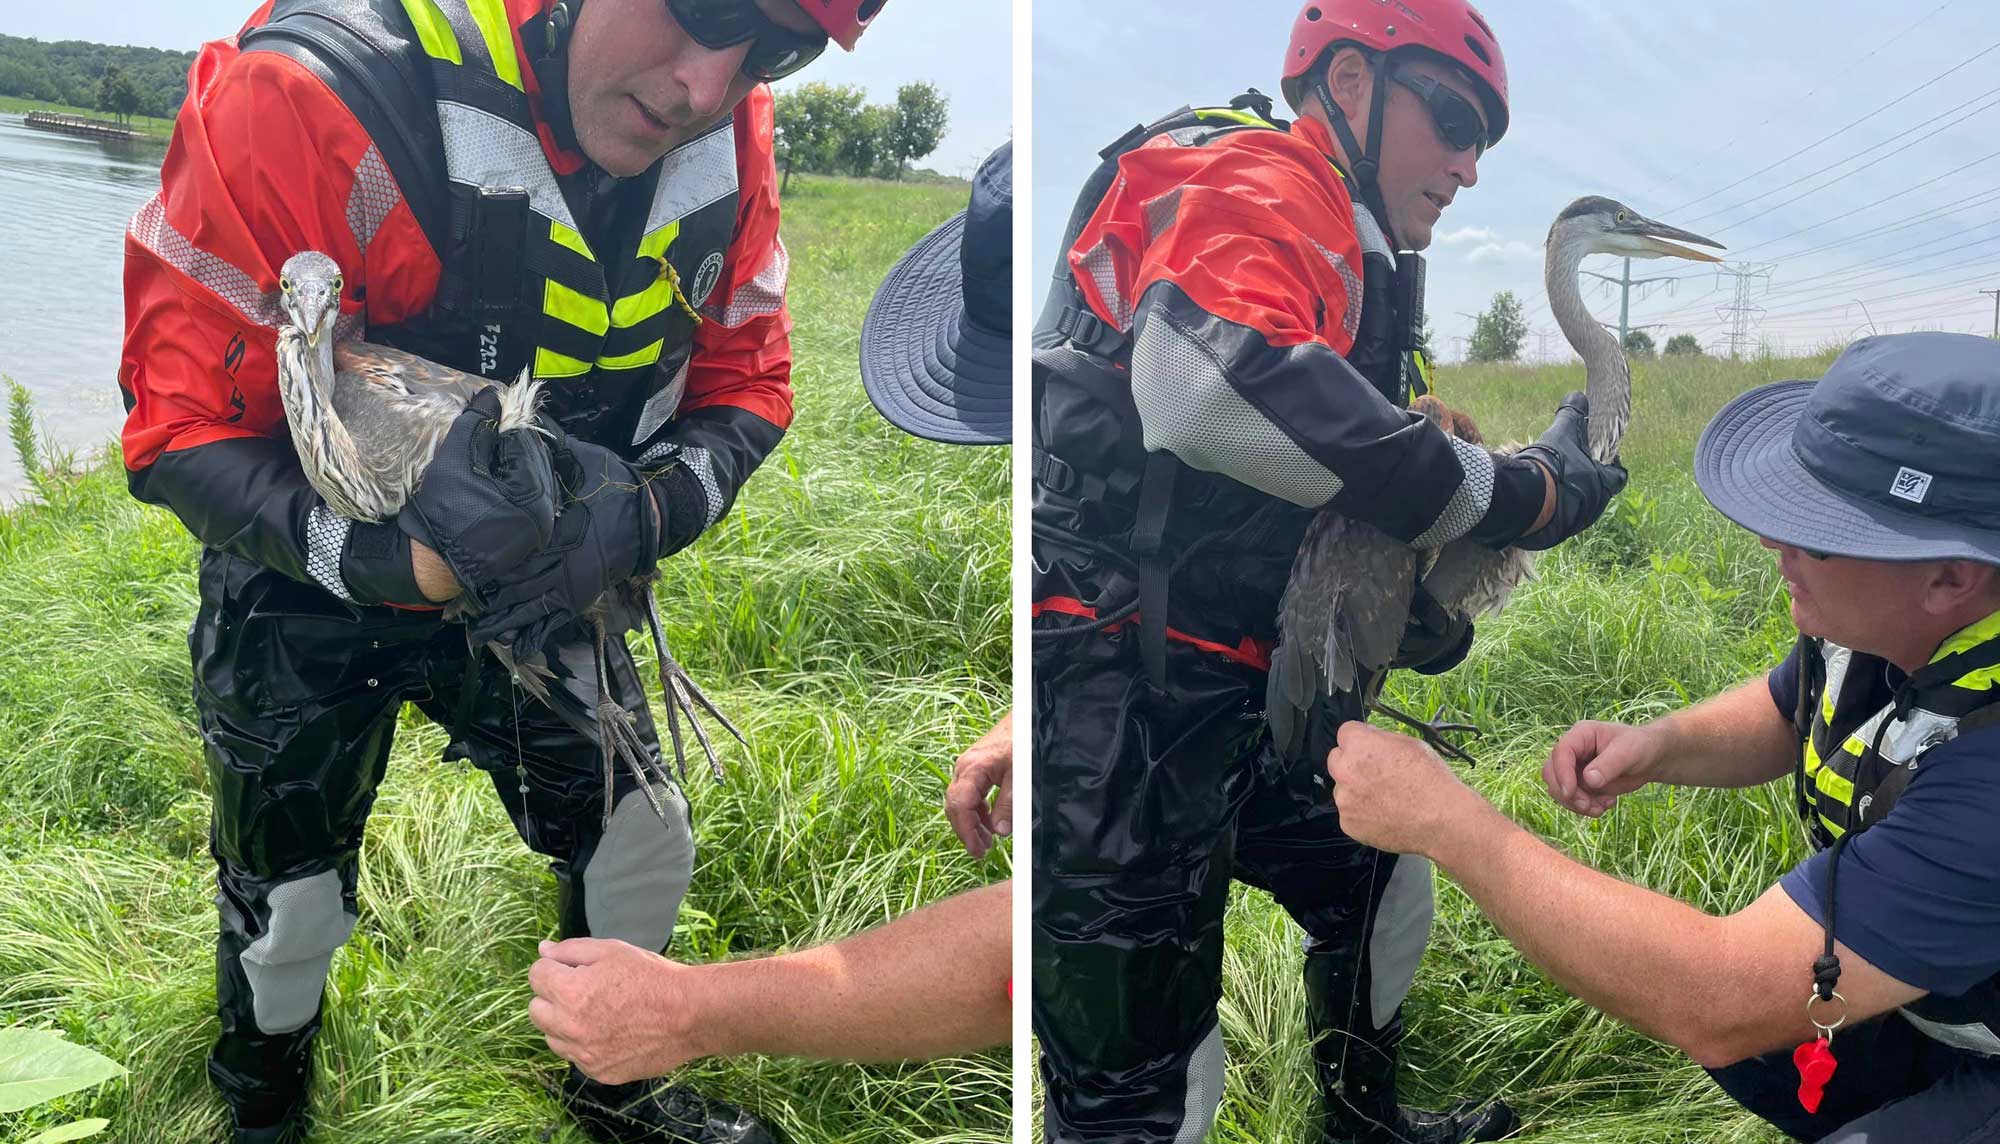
[
  {"x": 1149, "y": 528},
  {"x": 1091, "y": 333},
  {"x": 1826, "y": 967}
]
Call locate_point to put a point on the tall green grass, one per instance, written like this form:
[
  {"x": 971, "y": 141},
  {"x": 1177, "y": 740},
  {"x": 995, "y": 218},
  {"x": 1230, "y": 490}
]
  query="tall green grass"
[
  {"x": 1662, "y": 603},
  {"x": 850, "y": 615}
]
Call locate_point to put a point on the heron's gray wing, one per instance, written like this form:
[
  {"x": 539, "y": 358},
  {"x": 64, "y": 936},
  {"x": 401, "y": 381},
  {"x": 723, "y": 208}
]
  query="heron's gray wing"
[
  {"x": 1471, "y": 580},
  {"x": 1341, "y": 617},
  {"x": 402, "y": 375}
]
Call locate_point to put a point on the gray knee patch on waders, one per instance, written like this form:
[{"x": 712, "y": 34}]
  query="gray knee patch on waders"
[
  {"x": 1402, "y": 929},
  {"x": 287, "y": 966},
  {"x": 633, "y": 886},
  {"x": 1204, "y": 1088}
]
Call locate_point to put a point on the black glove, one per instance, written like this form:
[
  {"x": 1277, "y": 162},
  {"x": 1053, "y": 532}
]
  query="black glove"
[
  {"x": 1584, "y": 488},
  {"x": 488, "y": 499},
  {"x": 1434, "y": 640},
  {"x": 375, "y": 565},
  {"x": 605, "y": 533}
]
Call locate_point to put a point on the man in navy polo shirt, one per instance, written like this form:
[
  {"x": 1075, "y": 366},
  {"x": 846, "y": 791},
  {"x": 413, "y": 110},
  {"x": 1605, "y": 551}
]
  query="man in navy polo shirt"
[{"x": 1879, "y": 489}]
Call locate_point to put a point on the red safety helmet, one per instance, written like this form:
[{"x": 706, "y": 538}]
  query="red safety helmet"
[
  {"x": 1449, "y": 28},
  {"x": 844, "y": 20}
]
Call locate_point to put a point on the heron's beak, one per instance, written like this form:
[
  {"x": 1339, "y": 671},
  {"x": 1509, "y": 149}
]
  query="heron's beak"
[{"x": 1654, "y": 237}]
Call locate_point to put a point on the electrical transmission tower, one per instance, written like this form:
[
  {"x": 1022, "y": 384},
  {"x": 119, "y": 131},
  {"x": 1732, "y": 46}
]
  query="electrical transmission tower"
[
  {"x": 1996, "y": 311},
  {"x": 1741, "y": 311},
  {"x": 1625, "y": 282}
]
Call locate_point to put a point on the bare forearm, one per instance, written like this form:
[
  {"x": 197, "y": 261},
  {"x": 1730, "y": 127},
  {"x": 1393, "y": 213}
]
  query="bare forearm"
[
  {"x": 1647, "y": 959},
  {"x": 1735, "y": 739},
  {"x": 434, "y": 578},
  {"x": 930, "y": 983}
]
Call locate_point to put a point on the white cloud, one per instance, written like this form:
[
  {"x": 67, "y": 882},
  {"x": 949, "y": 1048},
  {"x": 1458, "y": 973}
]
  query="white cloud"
[
  {"x": 1466, "y": 234},
  {"x": 1510, "y": 251}
]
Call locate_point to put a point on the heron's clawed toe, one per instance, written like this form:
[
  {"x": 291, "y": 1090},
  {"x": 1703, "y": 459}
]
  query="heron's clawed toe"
[
  {"x": 1433, "y": 731},
  {"x": 682, "y": 698}
]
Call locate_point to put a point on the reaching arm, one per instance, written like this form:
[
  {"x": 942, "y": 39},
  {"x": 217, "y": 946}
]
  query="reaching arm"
[
  {"x": 927, "y": 984},
  {"x": 1736, "y": 739}
]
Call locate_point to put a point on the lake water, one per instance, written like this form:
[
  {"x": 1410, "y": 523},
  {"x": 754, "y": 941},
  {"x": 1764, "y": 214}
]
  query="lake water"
[{"x": 62, "y": 254}]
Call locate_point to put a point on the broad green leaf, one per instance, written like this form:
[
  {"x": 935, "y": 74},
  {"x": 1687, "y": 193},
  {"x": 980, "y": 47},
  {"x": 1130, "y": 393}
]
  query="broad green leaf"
[
  {"x": 37, "y": 1065},
  {"x": 74, "y": 1130}
]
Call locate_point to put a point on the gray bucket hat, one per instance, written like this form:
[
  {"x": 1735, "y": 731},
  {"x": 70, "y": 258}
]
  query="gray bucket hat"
[{"x": 1893, "y": 455}]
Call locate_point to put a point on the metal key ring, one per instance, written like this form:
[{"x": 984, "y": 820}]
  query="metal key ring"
[{"x": 1813, "y": 998}]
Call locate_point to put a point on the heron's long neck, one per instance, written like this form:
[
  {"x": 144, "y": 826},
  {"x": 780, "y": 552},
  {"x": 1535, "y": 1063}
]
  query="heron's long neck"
[{"x": 1608, "y": 382}]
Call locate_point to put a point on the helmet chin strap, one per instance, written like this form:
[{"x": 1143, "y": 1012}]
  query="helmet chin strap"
[
  {"x": 551, "y": 59},
  {"x": 1364, "y": 163}
]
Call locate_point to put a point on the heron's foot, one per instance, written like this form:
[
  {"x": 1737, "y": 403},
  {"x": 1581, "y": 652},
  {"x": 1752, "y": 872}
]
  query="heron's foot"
[
  {"x": 1433, "y": 731},
  {"x": 683, "y": 696}
]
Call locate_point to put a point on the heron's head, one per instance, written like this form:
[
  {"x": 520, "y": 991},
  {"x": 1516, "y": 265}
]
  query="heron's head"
[
  {"x": 309, "y": 292},
  {"x": 1597, "y": 225}
]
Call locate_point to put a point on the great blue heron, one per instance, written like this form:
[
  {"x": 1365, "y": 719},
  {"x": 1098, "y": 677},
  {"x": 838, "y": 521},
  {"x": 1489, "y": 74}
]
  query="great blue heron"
[
  {"x": 366, "y": 419},
  {"x": 1343, "y": 613}
]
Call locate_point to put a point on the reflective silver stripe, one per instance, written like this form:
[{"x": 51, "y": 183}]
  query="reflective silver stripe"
[
  {"x": 697, "y": 462},
  {"x": 1162, "y": 211},
  {"x": 1373, "y": 241},
  {"x": 663, "y": 404},
  {"x": 1974, "y": 1038},
  {"x": 1402, "y": 927},
  {"x": 762, "y": 295},
  {"x": 1350, "y": 280},
  {"x": 151, "y": 230},
  {"x": 693, "y": 175},
  {"x": 373, "y": 196},
  {"x": 485, "y": 150},
  {"x": 286, "y": 968},
  {"x": 1097, "y": 263},
  {"x": 635, "y": 879},
  {"x": 1468, "y": 505},
  {"x": 1187, "y": 407},
  {"x": 1205, "y": 1069},
  {"x": 326, "y": 539}
]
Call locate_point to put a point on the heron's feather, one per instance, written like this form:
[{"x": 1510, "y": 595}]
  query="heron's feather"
[{"x": 1341, "y": 617}]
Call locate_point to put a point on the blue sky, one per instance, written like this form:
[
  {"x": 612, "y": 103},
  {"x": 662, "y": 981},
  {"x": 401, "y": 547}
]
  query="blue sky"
[
  {"x": 943, "y": 41},
  {"x": 1659, "y": 105}
]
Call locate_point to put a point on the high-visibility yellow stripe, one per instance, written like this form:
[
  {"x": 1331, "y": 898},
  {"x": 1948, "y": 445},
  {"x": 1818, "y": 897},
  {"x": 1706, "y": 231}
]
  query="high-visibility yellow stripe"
[
  {"x": 579, "y": 310},
  {"x": 1833, "y": 828},
  {"x": 635, "y": 308},
  {"x": 1969, "y": 637},
  {"x": 646, "y": 356},
  {"x": 655, "y": 245},
  {"x": 491, "y": 16},
  {"x": 1985, "y": 679},
  {"x": 549, "y": 363},
  {"x": 1231, "y": 113},
  {"x": 434, "y": 31},
  {"x": 1424, "y": 370},
  {"x": 563, "y": 235}
]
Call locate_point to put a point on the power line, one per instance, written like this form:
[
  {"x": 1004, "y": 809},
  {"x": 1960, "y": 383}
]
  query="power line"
[
  {"x": 1741, "y": 310},
  {"x": 1856, "y": 123}
]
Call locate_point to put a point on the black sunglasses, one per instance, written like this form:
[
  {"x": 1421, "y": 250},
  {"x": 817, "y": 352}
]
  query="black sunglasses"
[
  {"x": 775, "y": 50},
  {"x": 1454, "y": 116}
]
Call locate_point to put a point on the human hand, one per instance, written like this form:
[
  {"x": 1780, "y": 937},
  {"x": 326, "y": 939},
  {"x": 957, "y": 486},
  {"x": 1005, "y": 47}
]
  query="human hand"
[
  {"x": 1393, "y": 792},
  {"x": 987, "y": 764},
  {"x": 618, "y": 1012},
  {"x": 486, "y": 501},
  {"x": 1593, "y": 763}
]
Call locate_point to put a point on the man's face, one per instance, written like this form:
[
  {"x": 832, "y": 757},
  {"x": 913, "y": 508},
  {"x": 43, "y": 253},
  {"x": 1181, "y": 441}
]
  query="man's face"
[
  {"x": 639, "y": 86},
  {"x": 1420, "y": 172},
  {"x": 1869, "y": 605}
]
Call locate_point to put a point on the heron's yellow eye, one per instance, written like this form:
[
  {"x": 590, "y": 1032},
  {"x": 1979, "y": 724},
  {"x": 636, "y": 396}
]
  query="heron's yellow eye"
[
  {"x": 1623, "y": 216},
  {"x": 337, "y": 280},
  {"x": 285, "y": 284}
]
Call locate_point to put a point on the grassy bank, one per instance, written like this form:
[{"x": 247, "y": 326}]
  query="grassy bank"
[
  {"x": 1662, "y": 603},
  {"x": 850, "y": 614},
  {"x": 160, "y": 129}
]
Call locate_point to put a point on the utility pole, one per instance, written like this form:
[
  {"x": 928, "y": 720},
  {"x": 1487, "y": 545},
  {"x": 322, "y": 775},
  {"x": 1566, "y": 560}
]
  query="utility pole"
[
  {"x": 1741, "y": 310},
  {"x": 1996, "y": 312},
  {"x": 1625, "y": 282},
  {"x": 1542, "y": 346}
]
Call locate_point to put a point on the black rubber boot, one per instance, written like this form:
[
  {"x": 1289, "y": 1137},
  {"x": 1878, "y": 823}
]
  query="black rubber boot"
[
  {"x": 1356, "y": 1068},
  {"x": 289, "y": 1131},
  {"x": 646, "y": 1112}
]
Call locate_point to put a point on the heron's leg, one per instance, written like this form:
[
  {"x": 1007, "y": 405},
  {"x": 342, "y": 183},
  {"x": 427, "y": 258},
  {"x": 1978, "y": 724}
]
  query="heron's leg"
[
  {"x": 682, "y": 693},
  {"x": 1432, "y": 731},
  {"x": 621, "y": 741}
]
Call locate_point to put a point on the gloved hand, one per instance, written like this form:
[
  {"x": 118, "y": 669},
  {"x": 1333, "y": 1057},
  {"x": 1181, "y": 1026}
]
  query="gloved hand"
[
  {"x": 488, "y": 499},
  {"x": 1434, "y": 640},
  {"x": 605, "y": 533},
  {"x": 1584, "y": 488}
]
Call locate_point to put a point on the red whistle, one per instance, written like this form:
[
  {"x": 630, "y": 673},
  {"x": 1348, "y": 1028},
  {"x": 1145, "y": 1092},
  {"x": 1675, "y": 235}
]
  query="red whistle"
[{"x": 1815, "y": 1064}]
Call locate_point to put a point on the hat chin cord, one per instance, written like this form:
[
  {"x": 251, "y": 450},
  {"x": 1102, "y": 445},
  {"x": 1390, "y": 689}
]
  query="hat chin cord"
[{"x": 1364, "y": 162}]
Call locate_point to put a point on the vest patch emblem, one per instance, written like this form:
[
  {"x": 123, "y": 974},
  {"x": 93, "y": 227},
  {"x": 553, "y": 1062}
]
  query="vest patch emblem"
[
  {"x": 1911, "y": 485},
  {"x": 706, "y": 277}
]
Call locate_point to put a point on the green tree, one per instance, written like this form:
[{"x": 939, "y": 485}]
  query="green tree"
[
  {"x": 864, "y": 150},
  {"x": 813, "y": 120},
  {"x": 1499, "y": 332},
  {"x": 922, "y": 114},
  {"x": 117, "y": 94},
  {"x": 1683, "y": 344},
  {"x": 1639, "y": 344}
]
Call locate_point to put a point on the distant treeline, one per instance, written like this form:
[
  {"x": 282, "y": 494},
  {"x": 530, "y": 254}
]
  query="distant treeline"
[
  {"x": 831, "y": 129},
  {"x": 71, "y": 71}
]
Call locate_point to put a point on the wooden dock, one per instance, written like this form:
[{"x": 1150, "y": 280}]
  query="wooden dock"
[{"x": 78, "y": 125}]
